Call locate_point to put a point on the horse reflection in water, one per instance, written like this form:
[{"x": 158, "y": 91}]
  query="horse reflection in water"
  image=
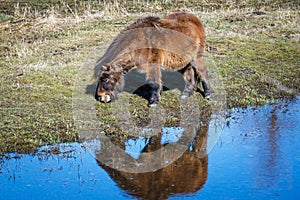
[{"x": 186, "y": 175}]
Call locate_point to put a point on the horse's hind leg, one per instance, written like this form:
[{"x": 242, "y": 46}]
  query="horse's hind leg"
[
  {"x": 188, "y": 74},
  {"x": 202, "y": 74}
]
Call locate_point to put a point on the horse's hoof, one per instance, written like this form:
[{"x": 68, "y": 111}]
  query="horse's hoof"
[
  {"x": 154, "y": 99},
  {"x": 152, "y": 105},
  {"x": 184, "y": 96},
  {"x": 207, "y": 96}
]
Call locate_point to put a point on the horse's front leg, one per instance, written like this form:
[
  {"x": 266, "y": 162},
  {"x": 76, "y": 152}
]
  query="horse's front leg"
[{"x": 153, "y": 74}]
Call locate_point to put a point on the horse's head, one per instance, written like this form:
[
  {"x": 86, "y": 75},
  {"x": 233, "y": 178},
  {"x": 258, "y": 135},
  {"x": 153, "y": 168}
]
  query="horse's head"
[{"x": 111, "y": 82}]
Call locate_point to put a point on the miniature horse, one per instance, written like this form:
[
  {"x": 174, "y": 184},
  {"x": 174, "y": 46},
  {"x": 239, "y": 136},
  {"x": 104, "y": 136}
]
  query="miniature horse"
[{"x": 175, "y": 42}]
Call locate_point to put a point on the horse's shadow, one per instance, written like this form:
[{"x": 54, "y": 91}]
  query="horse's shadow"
[{"x": 135, "y": 84}]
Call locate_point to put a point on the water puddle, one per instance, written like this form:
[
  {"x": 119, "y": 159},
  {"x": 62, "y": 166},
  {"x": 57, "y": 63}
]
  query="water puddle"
[{"x": 256, "y": 157}]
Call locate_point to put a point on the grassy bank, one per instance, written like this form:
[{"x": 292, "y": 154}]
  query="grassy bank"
[{"x": 254, "y": 45}]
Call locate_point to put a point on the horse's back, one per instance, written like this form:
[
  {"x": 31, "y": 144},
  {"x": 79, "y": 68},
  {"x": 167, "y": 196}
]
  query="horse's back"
[
  {"x": 179, "y": 21},
  {"x": 174, "y": 40},
  {"x": 184, "y": 17},
  {"x": 188, "y": 24},
  {"x": 139, "y": 39}
]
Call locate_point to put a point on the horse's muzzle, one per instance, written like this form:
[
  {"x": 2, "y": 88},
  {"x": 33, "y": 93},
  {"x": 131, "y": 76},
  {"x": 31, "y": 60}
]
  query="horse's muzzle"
[{"x": 103, "y": 97}]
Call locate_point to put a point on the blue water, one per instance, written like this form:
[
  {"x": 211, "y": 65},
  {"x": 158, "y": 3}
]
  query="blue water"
[{"x": 256, "y": 157}]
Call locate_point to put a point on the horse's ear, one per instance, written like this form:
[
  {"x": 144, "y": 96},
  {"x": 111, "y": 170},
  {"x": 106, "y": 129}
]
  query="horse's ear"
[{"x": 105, "y": 67}]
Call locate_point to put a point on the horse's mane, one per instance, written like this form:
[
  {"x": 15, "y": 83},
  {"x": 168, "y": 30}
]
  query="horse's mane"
[
  {"x": 149, "y": 21},
  {"x": 119, "y": 44}
]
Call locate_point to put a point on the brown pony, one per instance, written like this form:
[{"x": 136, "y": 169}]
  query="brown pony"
[{"x": 175, "y": 42}]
